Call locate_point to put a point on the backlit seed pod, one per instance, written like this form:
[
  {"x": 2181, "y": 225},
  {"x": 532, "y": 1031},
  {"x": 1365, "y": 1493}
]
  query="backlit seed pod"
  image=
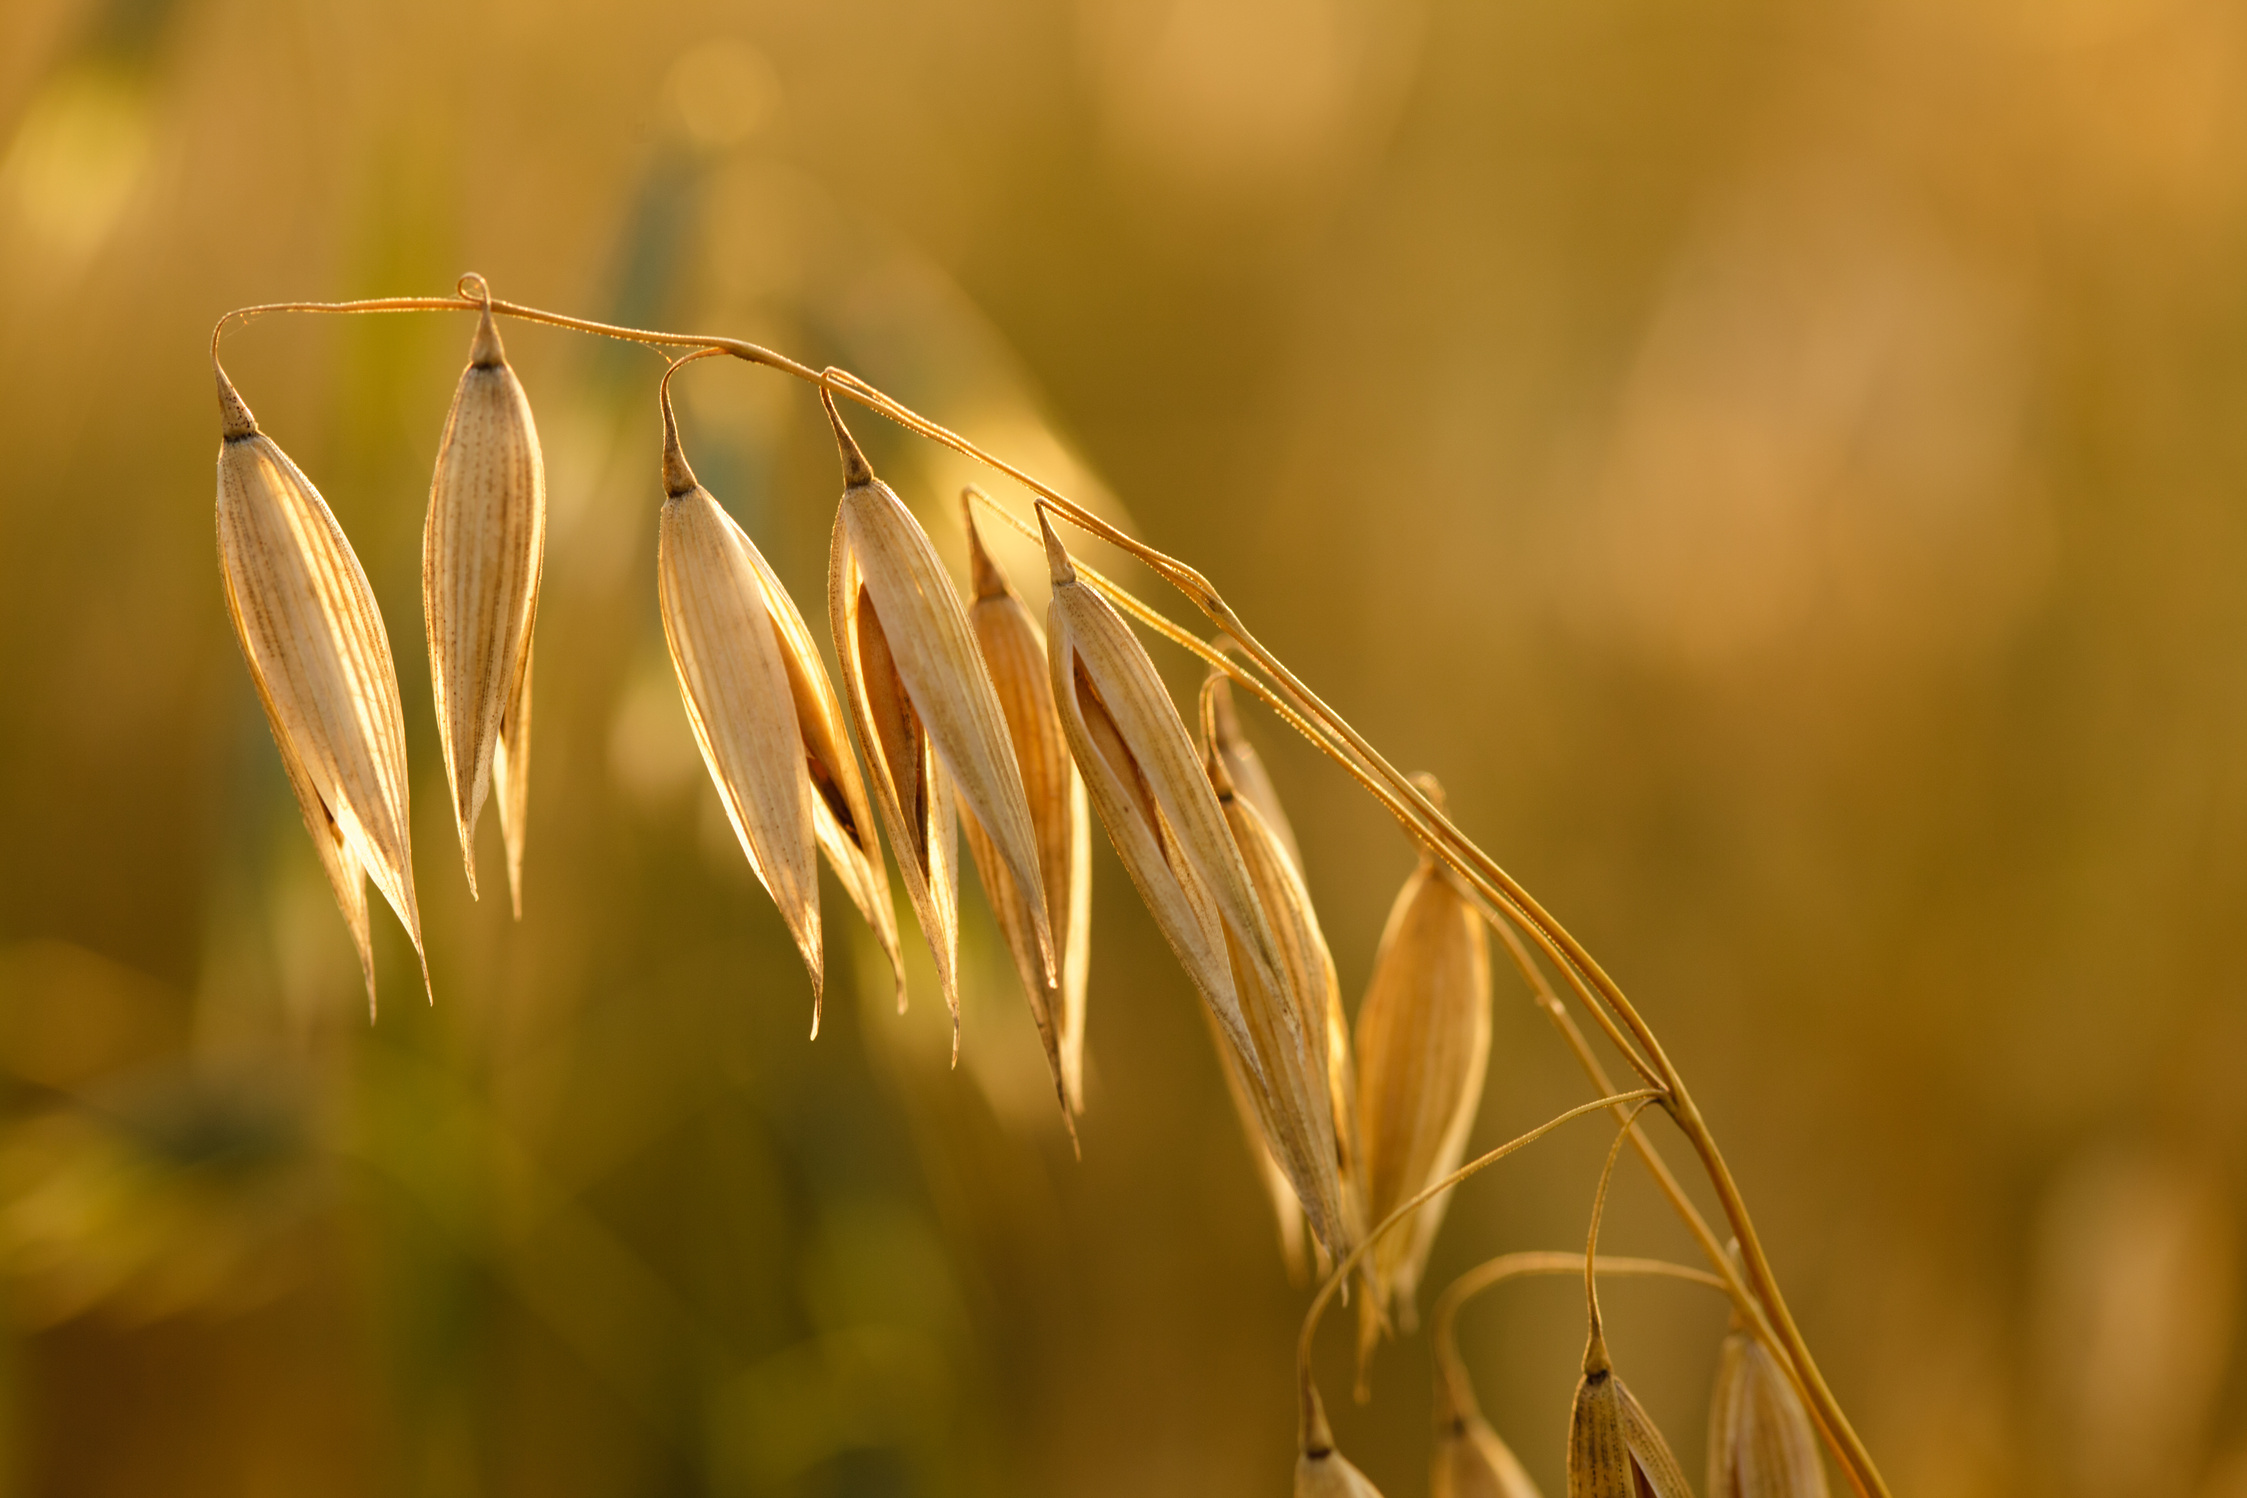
[
  {"x": 1614, "y": 1449},
  {"x": 1013, "y": 650},
  {"x": 1320, "y": 1470},
  {"x": 317, "y": 651},
  {"x": 482, "y": 549},
  {"x": 1423, "y": 1045},
  {"x": 1259, "y": 826},
  {"x": 1314, "y": 995},
  {"x": 925, "y": 710},
  {"x": 1470, "y": 1460},
  {"x": 1147, "y": 785},
  {"x": 764, "y": 716},
  {"x": 1761, "y": 1444}
]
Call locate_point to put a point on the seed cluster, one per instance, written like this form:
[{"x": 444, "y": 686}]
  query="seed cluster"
[{"x": 968, "y": 714}]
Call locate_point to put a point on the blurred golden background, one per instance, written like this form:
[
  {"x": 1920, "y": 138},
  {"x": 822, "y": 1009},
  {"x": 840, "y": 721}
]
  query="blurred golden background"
[{"x": 1784, "y": 466}]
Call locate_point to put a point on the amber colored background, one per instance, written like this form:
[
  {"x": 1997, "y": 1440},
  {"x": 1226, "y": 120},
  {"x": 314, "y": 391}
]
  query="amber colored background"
[{"x": 1784, "y": 465}]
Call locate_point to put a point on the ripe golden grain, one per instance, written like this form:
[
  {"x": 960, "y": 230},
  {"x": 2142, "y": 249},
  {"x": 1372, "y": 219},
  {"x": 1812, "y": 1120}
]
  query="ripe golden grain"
[
  {"x": 1423, "y": 1046},
  {"x": 1614, "y": 1449},
  {"x": 1143, "y": 776},
  {"x": 1013, "y": 650},
  {"x": 1301, "y": 1027},
  {"x": 718, "y": 624},
  {"x": 317, "y": 650},
  {"x": 1761, "y": 1444},
  {"x": 926, "y": 712},
  {"x": 482, "y": 550}
]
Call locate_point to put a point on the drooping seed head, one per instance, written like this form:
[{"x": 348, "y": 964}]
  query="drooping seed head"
[
  {"x": 718, "y": 624},
  {"x": 1013, "y": 651},
  {"x": 766, "y": 716},
  {"x": 318, "y": 653},
  {"x": 1423, "y": 1046},
  {"x": 1761, "y": 1444},
  {"x": 1300, "y": 1032},
  {"x": 1147, "y": 785},
  {"x": 925, "y": 710},
  {"x": 483, "y": 548}
]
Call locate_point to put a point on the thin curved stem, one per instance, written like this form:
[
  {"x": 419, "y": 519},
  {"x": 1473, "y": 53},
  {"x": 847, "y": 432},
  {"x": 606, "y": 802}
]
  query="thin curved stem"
[
  {"x": 1473, "y": 1282},
  {"x": 1350, "y": 1260}
]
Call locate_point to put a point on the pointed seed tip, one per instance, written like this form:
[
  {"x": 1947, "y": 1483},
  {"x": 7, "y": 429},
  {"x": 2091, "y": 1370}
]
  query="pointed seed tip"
[
  {"x": 1056, "y": 555},
  {"x": 984, "y": 573},
  {"x": 487, "y": 351},
  {"x": 235, "y": 420}
]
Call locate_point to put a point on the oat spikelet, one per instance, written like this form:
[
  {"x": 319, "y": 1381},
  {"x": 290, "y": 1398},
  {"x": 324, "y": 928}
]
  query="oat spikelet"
[
  {"x": 1322, "y": 1103},
  {"x": 483, "y": 547},
  {"x": 1614, "y": 1448},
  {"x": 1761, "y": 1444},
  {"x": 1470, "y": 1460},
  {"x": 317, "y": 651},
  {"x": 727, "y": 653},
  {"x": 1320, "y": 1470},
  {"x": 1147, "y": 785},
  {"x": 1423, "y": 1046},
  {"x": 1013, "y": 649},
  {"x": 925, "y": 710}
]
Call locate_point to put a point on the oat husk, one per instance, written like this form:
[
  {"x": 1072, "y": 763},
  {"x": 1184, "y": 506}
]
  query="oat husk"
[
  {"x": 765, "y": 717},
  {"x": 1614, "y": 1449},
  {"x": 1147, "y": 785},
  {"x": 483, "y": 547},
  {"x": 1013, "y": 651},
  {"x": 925, "y": 710},
  {"x": 318, "y": 653},
  {"x": 1761, "y": 1443},
  {"x": 1423, "y": 1045}
]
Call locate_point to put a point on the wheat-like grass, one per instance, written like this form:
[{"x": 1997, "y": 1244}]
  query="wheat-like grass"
[{"x": 924, "y": 692}]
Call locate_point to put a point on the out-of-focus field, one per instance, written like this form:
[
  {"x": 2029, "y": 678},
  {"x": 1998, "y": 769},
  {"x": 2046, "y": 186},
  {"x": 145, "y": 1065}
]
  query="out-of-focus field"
[{"x": 1784, "y": 466}]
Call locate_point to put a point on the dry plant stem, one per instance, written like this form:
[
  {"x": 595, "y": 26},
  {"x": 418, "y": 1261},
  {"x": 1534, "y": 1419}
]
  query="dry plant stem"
[
  {"x": 1333, "y": 735},
  {"x": 1727, "y": 1274},
  {"x": 1511, "y": 1266},
  {"x": 1350, "y": 1261}
]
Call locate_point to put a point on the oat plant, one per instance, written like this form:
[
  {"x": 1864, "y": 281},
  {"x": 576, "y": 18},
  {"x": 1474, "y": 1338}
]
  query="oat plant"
[{"x": 966, "y": 715}]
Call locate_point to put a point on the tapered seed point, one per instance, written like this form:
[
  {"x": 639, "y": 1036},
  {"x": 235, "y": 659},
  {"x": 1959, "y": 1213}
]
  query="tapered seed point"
[
  {"x": 856, "y": 470},
  {"x": 989, "y": 581},
  {"x": 678, "y": 477},
  {"x": 1056, "y": 555},
  {"x": 487, "y": 352},
  {"x": 235, "y": 420}
]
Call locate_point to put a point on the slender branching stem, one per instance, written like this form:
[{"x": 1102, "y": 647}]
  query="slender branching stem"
[
  {"x": 1328, "y": 731},
  {"x": 1341, "y": 1272},
  {"x": 1453, "y": 1367}
]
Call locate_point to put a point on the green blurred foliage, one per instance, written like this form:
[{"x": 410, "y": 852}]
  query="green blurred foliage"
[{"x": 1781, "y": 465}]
